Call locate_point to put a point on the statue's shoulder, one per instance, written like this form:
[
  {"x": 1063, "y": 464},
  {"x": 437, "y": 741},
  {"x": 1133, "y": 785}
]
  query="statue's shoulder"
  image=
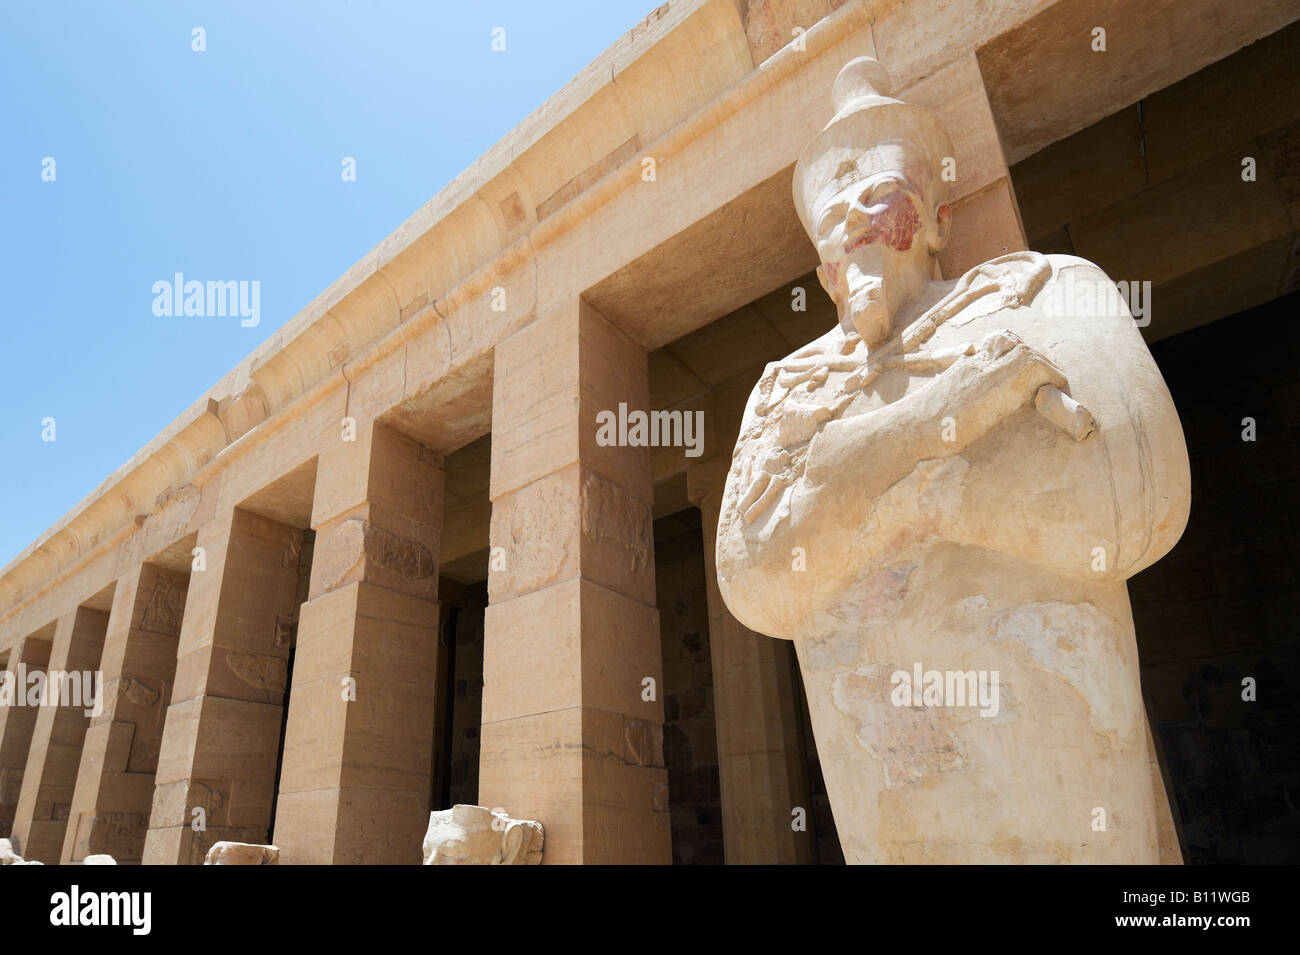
[
  {"x": 1078, "y": 288},
  {"x": 1072, "y": 268},
  {"x": 1028, "y": 282},
  {"x": 1010, "y": 281},
  {"x": 1060, "y": 261},
  {"x": 1022, "y": 275}
]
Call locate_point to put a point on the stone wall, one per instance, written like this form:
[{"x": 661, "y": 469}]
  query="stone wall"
[{"x": 1223, "y": 605}]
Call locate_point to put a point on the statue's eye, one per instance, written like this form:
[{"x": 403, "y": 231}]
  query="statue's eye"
[
  {"x": 831, "y": 218},
  {"x": 884, "y": 188}
]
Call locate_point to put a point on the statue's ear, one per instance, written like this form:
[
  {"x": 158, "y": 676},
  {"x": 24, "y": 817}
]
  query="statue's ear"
[
  {"x": 942, "y": 225},
  {"x": 821, "y": 277},
  {"x": 512, "y": 842}
]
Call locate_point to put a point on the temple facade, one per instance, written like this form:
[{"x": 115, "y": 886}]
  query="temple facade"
[{"x": 448, "y": 536}]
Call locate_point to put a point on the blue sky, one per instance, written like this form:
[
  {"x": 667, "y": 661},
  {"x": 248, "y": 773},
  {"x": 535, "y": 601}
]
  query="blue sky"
[{"x": 223, "y": 165}]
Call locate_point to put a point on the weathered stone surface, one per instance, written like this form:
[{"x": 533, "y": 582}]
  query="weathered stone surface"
[
  {"x": 18, "y": 722},
  {"x": 119, "y": 834},
  {"x": 242, "y": 853},
  {"x": 260, "y": 670},
  {"x": 947, "y": 492},
  {"x": 358, "y": 739},
  {"x": 476, "y": 835},
  {"x": 138, "y": 692},
  {"x": 572, "y": 631},
  {"x": 55, "y": 754},
  {"x": 220, "y": 740},
  {"x": 165, "y": 607}
]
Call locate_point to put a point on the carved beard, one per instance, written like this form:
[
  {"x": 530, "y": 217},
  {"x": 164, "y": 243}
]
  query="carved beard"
[{"x": 869, "y": 306}]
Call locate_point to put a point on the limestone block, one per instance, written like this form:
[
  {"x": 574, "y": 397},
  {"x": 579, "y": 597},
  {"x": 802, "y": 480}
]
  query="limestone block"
[
  {"x": 1156, "y": 235},
  {"x": 380, "y": 467},
  {"x": 358, "y": 738},
  {"x": 770, "y": 24},
  {"x": 121, "y": 832},
  {"x": 568, "y": 520},
  {"x": 476, "y": 835},
  {"x": 572, "y": 362},
  {"x": 559, "y": 653},
  {"x": 521, "y": 765},
  {"x": 242, "y": 853},
  {"x": 956, "y": 94},
  {"x": 989, "y": 227}
]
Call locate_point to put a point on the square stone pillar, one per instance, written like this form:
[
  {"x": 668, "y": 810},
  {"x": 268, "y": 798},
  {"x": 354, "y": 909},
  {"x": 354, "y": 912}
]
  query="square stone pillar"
[
  {"x": 114, "y": 791},
  {"x": 358, "y": 751},
  {"x": 572, "y": 673},
  {"x": 17, "y": 721},
  {"x": 46, "y": 798},
  {"x": 762, "y": 767},
  {"x": 216, "y": 772},
  {"x": 986, "y": 218}
]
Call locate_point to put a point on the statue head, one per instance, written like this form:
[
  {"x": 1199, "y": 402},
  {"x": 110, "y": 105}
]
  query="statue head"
[
  {"x": 870, "y": 195},
  {"x": 475, "y": 835},
  {"x": 237, "y": 853}
]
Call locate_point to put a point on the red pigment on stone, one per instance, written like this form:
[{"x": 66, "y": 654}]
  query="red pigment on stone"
[{"x": 894, "y": 222}]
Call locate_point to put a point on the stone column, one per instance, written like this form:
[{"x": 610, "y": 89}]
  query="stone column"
[
  {"x": 17, "y": 720},
  {"x": 355, "y": 782},
  {"x": 986, "y": 217},
  {"x": 114, "y": 791},
  {"x": 46, "y": 798},
  {"x": 216, "y": 772},
  {"x": 572, "y": 673},
  {"x": 762, "y": 767}
]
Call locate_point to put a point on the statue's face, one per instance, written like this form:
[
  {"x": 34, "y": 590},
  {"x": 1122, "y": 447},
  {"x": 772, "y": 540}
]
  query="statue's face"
[
  {"x": 876, "y": 236},
  {"x": 455, "y": 844}
]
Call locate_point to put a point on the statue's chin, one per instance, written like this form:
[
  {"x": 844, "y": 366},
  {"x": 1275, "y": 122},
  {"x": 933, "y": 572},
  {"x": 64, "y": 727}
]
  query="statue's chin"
[{"x": 870, "y": 315}]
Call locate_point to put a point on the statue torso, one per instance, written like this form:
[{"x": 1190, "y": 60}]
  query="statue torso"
[{"x": 1024, "y": 472}]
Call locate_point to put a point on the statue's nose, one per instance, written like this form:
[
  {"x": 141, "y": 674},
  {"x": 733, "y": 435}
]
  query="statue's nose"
[{"x": 859, "y": 216}]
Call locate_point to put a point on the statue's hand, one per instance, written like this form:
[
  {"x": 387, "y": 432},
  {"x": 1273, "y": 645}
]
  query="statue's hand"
[
  {"x": 1051, "y": 400},
  {"x": 766, "y": 486},
  {"x": 1008, "y": 374},
  {"x": 1000, "y": 375},
  {"x": 996, "y": 344}
]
